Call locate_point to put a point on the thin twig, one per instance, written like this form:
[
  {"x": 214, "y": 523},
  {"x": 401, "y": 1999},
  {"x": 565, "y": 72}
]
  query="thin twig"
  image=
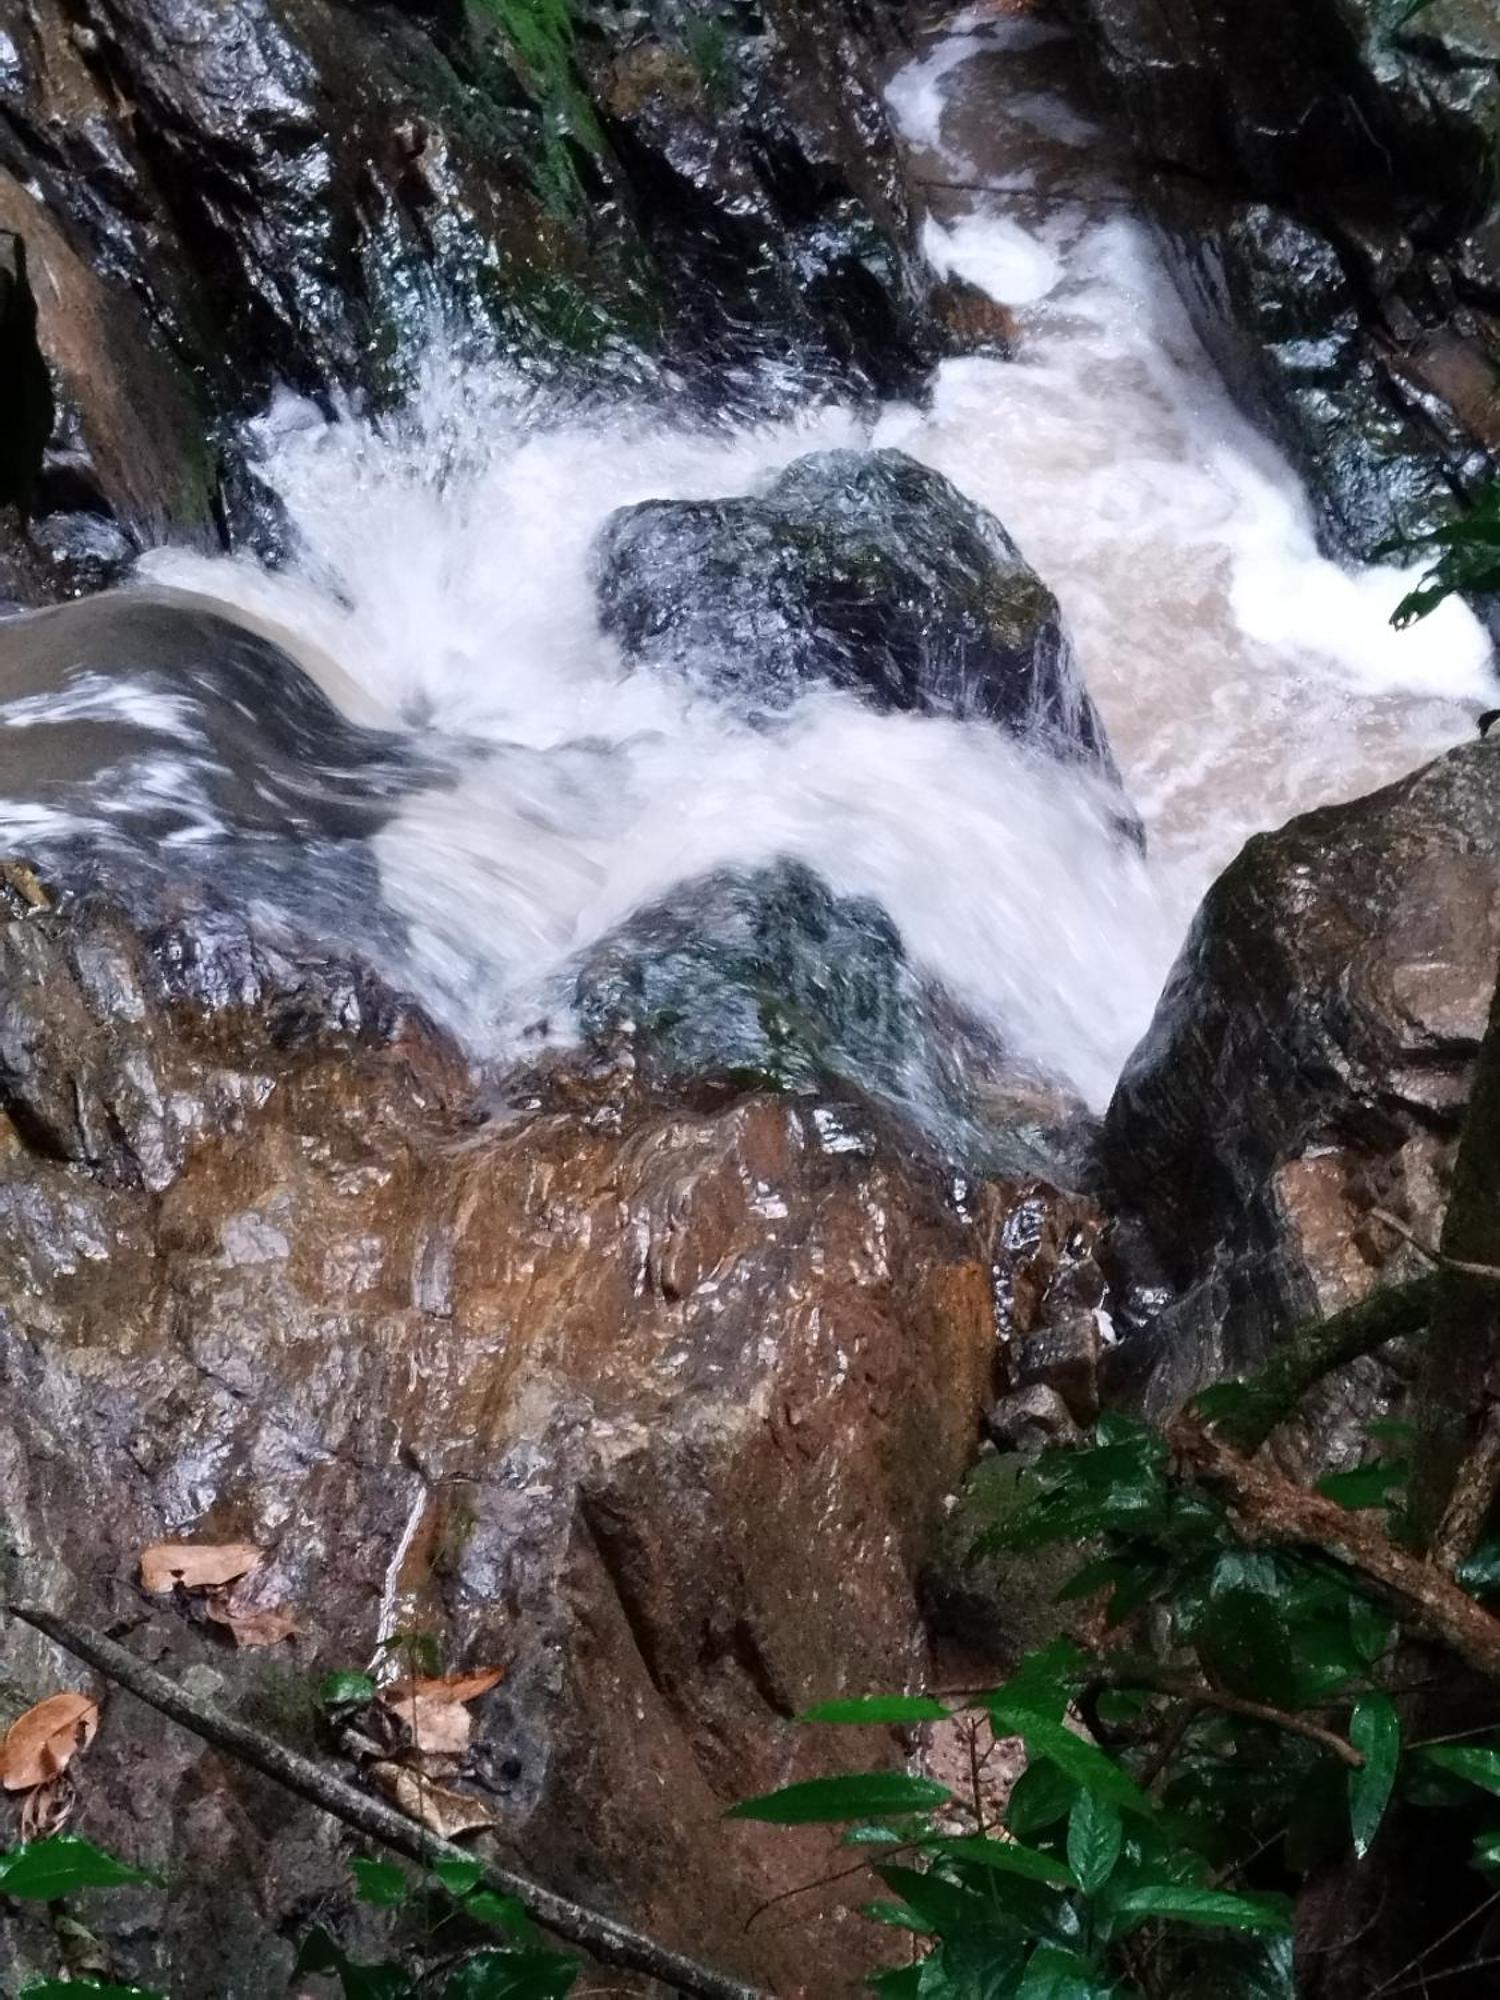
[
  {"x": 602, "y": 1937},
  {"x": 1391, "y": 1985},
  {"x": 1201, "y": 1695},
  {"x": 1489, "y": 1273}
]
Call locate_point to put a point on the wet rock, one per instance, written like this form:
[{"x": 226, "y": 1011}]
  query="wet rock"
[
  {"x": 1323, "y": 175},
  {"x": 656, "y": 1405},
  {"x": 1309, "y": 1064},
  {"x": 216, "y": 200},
  {"x": 765, "y": 979},
  {"x": 863, "y": 571}
]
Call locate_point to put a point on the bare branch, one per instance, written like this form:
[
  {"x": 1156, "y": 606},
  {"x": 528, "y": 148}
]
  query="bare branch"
[{"x": 602, "y": 1937}]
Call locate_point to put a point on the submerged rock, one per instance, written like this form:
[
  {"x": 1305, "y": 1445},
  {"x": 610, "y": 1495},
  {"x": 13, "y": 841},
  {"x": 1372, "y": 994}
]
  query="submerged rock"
[
  {"x": 1309, "y": 1063},
  {"x": 862, "y": 571},
  {"x": 654, "y": 1406}
]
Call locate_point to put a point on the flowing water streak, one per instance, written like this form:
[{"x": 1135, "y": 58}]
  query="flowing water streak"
[{"x": 444, "y": 564}]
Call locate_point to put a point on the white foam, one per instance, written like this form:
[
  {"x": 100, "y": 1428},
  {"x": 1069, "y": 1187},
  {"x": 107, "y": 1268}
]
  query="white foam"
[{"x": 443, "y": 564}]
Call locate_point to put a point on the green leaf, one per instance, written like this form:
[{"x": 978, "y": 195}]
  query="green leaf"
[
  {"x": 69, "y": 1989},
  {"x": 513, "y": 1975},
  {"x": 346, "y": 1691},
  {"x": 1371, "y": 1485},
  {"x": 1095, "y": 1837},
  {"x": 322, "y": 1953},
  {"x": 897, "y": 1917},
  {"x": 501, "y": 1913},
  {"x": 459, "y": 1878},
  {"x": 380, "y": 1882},
  {"x": 1478, "y": 1767},
  {"x": 1041, "y": 1796},
  {"x": 1487, "y": 1849},
  {"x": 864, "y": 1796},
  {"x": 933, "y": 1899},
  {"x": 1184, "y": 1904},
  {"x": 1086, "y": 1765},
  {"x": 1375, "y": 1732},
  {"x": 1479, "y": 1573},
  {"x": 43, "y": 1870},
  {"x": 1006, "y": 1857},
  {"x": 1055, "y": 1974},
  {"x": 879, "y": 1708}
]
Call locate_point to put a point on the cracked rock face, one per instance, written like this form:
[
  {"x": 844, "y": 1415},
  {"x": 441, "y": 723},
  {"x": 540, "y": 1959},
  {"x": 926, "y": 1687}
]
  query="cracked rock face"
[
  {"x": 1309, "y": 1063},
  {"x": 655, "y": 1406}
]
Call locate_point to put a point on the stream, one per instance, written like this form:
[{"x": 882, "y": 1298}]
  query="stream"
[{"x": 439, "y": 585}]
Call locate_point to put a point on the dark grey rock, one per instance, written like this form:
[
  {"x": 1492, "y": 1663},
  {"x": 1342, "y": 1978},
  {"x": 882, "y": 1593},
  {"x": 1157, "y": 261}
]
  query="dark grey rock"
[{"x": 863, "y": 571}]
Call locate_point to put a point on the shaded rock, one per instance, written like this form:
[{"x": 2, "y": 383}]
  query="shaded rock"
[
  {"x": 216, "y": 200},
  {"x": 1323, "y": 173},
  {"x": 1309, "y": 1063},
  {"x": 657, "y": 1406},
  {"x": 863, "y": 571}
]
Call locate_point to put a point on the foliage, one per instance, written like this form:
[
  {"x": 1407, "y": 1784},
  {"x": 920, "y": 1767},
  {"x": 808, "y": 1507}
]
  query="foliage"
[
  {"x": 513, "y": 1965},
  {"x": 1230, "y": 1730},
  {"x": 1465, "y": 557}
]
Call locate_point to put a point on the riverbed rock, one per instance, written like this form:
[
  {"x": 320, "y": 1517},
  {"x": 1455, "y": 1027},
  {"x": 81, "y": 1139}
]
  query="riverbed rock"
[
  {"x": 1323, "y": 173},
  {"x": 862, "y": 571},
  {"x": 1309, "y": 1064},
  {"x": 654, "y": 1405},
  {"x": 216, "y": 200}
]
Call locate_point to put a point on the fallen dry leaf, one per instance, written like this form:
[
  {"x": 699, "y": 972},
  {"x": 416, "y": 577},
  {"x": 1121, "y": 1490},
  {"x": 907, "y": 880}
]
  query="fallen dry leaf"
[
  {"x": 39, "y": 1744},
  {"x": 47, "y": 1810},
  {"x": 447, "y": 1814},
  {"x": 252, "y": 1624},
  {"x": 436, "y": 1726},
  {"x": 445, "y": 1687},
  {"x": 195, "y": 1565}
]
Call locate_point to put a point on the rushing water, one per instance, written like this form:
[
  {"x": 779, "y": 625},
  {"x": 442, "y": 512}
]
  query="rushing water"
[{"x": 442, "y": 561}]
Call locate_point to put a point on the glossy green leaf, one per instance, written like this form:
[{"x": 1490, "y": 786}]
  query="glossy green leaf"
[
  {"x": 1375, "y": 1732},
  {"x": 501, "y": 1913},
  {"x": 513, "y": 1975},
  {"x": 1041, "y": 1796},
  {"x": 1487, "y": 1849},
  {"x": 1006, "y": 1857},
  {"x": 323, "y": 1953},
  {"x": 1095, "y": 1837},
  {"x": 897, "y": 1917},
  {"x": 880, "y": 1708},
  {"x": 1373, "y": 1485},
  {"x": 1056, "y": 1974},
  {"x": 347, "y": 1691},
  {"x": 46, "y": 1869},
  {"x": 459, "y": 1878},
  {"x": 1477, "y": 1767},
  {"x": 935, "y": 1900},
  {"x": 380, "y": 1882},
  {"x": 1087, "y": 1765},
  {"x": 866, "y": 1795},
  {"x": 1184, "y": 1904}
]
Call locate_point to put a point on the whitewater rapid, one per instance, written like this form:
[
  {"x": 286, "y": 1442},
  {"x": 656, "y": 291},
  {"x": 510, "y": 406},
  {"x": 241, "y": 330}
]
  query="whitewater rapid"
[{"x": 442, "y": 560}]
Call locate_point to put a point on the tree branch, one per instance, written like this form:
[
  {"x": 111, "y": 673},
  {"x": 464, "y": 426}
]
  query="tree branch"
[
  {"x": 602, "y": 1937},
  {"x": 1316, "y": 1348},
  {"x": 1270, "y": 1508},
  {"x": 1199, "y": 1694},
  {"x": 1472, "y": 1497}
]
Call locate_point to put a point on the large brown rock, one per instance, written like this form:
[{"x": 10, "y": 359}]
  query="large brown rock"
[
  {"x": 1309, "y": 1063},
  {"x": 655, "y": 1405}
]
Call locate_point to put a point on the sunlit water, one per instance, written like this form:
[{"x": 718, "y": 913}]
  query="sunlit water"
[{"x": 443, "y": 561}]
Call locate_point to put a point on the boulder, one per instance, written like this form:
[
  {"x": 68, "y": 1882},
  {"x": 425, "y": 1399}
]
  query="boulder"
[
  {"x": 655, "y": 1405},
  {"x": 1309, "y": 1065},
  {"x": 861, "y": 571},
  {"x": 219, "y": 199},
  {"x": 1323, "y": 173}
]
